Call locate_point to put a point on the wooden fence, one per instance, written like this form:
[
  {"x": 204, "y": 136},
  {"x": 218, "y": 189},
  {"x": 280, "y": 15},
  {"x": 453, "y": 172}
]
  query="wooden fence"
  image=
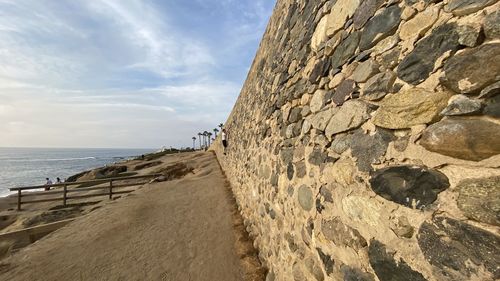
[{"x": 65, "y": 191}]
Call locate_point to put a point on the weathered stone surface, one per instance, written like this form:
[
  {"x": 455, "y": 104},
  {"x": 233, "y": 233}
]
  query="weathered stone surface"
[
  {"x": 319, "y": 70},
  {"x": 471, "y": 138},
  {"x": 295, "y": 115},
  {"x": 410, "y": 186},
  {"x": 365, "y": 11},
  {"x": 314, "y": 269},
  {"x": 355, "y": 274},
  {"x": 351, "y": 115},
  {"x": 417, "y": 66},
  {"x": 289, "y": 171},
  {"x": 365, "y": 70},
  {"x": 342, "y": 235},
  {"x": 479, "y": 199},
  {"x": 317, "y": 156},
  {"x": 417, "y": 26},
  {"x": 491, "y": 25},
  {"x": 327, "y": 261},
  {"x": 461, "y": 105},
  {"x": 345, "y": 50},
  {"x": 300, "y": 167},
  {"x": 402, "y": 228},
  {"x": 344, "y": 91},
  {"x": 368, "y": 149},
  {"x": 464, "y": 7},
  {"x": 492, "y": 107},
  {"x": 469, "y": 35},
  {"x": 458, "y": 249},
  {"x": 473, "y": 69},
  {"x": 318, "y": 100},
  {"x": 378, "y": 86},
  {"x": 387, "y": 268},
  {"x": 320, "y": 120},
  {"x": 341, "y": 143},
  {"x": 305, "y": 197},
  {"x": 380, "y": 26},
  {"x": 286, "y": 154},
  {"x": 411, "y": 107},
  {"x": 490, "y": 91},
  {"x": 319, "y": 35},
  {"x": 326, "y": 193},
  {"x": 385, "y": 44},
  {"x": 341, "y": 11},
  {"x": 361, "y": 210},
  {"x": 390, "y": 58}
]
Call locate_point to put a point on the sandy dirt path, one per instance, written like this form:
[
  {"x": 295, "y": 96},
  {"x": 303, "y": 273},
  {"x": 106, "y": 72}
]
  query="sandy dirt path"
[{"x": 176, "y": 230}]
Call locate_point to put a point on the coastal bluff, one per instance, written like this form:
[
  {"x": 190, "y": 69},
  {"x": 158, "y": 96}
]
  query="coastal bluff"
[{"x": 365, "y": 142}]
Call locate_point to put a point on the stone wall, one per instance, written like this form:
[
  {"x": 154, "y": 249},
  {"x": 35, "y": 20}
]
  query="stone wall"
[{"x": 365, "y": 142}]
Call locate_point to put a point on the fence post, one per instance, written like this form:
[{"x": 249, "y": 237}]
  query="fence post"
[
  {"x": 19, "y": 199},
  {"x": 65, "y": 195},
  {"x": 110, "y": 189}
]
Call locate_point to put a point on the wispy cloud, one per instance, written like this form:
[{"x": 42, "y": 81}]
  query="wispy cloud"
[{"x": 122, "y": 72}]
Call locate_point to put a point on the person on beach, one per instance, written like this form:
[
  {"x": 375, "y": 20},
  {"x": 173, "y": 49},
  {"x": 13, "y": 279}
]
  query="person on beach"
[
  {"x": 224, "y": 140},
  {"x": 48, "y": 183},
  {"x": 58, "y": 180}
]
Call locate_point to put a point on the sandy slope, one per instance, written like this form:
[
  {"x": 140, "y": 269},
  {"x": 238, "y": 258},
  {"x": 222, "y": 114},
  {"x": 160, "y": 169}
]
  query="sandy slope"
[{"x": 176, "y": 230}]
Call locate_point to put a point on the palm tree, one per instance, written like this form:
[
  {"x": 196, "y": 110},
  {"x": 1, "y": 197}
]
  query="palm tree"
[
  {"x": 216, "y": 131},
  {"x": 194, "y": 139},
  {"x": 221, "y": 125},
  {"x": 209, "y": 137},
  {"x": 205, "y": 134},
  {"x": 199, "y": 136}
]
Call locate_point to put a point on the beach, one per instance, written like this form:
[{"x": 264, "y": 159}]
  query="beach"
[{"x": 183, "y": 227}]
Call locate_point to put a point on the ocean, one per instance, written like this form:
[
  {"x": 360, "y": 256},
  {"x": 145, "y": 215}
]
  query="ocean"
[{"x": 30, "y": 166}]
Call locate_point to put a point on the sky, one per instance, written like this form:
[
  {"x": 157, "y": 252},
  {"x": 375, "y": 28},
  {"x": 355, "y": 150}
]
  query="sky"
[{"x": 122, "y": 73}]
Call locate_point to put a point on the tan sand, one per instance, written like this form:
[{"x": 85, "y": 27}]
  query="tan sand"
[{"x": 176, "y": 230}]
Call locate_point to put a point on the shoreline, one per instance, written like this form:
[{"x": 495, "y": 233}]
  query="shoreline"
[{"x": 62, "y": 164}]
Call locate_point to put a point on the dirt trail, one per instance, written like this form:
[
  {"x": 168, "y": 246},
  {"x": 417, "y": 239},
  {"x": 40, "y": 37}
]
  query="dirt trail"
[{"x": 175, "y": 230}]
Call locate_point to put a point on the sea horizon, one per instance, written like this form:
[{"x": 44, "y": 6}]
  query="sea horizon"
[{"x": 27, "y": 166}]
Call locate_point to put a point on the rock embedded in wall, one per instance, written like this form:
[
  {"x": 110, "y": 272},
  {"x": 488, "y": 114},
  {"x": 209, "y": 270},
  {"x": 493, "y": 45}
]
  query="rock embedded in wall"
[
  {"x": 473, "y": 69},
  {"x": 410, "y": 186},
  {"x": 387, "y": 267},
  {"x": 365, "y": 11},
  {"x": 417, "y": 26},
  {"x": 459, "y": 249},
  {"x": 380, "y": 26},
  {"x": 320, "y": 120},
  {"x": 411, "y": 107},
  {"x": 341, "y": 11},
  {"x": 351, "y": 115},
  {"x": 462, "y": 105},
  {"x": 479, "y": 199},
  {"x": 465, "y": 7},
  {"x": 470, "y": 138},
  {"x": 491, "y": 25},
  {"x": 417, "y": 66},
  {"x": 327, "y": 261},
  {"x": 368, "y": 149},
  {"x": 305, "y": 197},
  {"x": 344, "y": 91},
  {"x": 342, "y": 235},
  {"x": 365, "y": 70},
  {"x": 378, "y": 86},
  {"x": 345, "y": 50}
]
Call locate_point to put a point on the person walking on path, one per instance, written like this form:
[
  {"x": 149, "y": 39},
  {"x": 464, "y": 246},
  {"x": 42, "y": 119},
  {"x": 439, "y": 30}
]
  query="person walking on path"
[{"x": 224, "y": 140}]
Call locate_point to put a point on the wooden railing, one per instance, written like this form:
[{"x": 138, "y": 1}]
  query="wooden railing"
[{"x": 108, "y": 189}]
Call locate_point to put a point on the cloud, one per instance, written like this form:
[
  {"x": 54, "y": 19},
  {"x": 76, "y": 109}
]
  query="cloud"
[{"x": 121, "y": 73}]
